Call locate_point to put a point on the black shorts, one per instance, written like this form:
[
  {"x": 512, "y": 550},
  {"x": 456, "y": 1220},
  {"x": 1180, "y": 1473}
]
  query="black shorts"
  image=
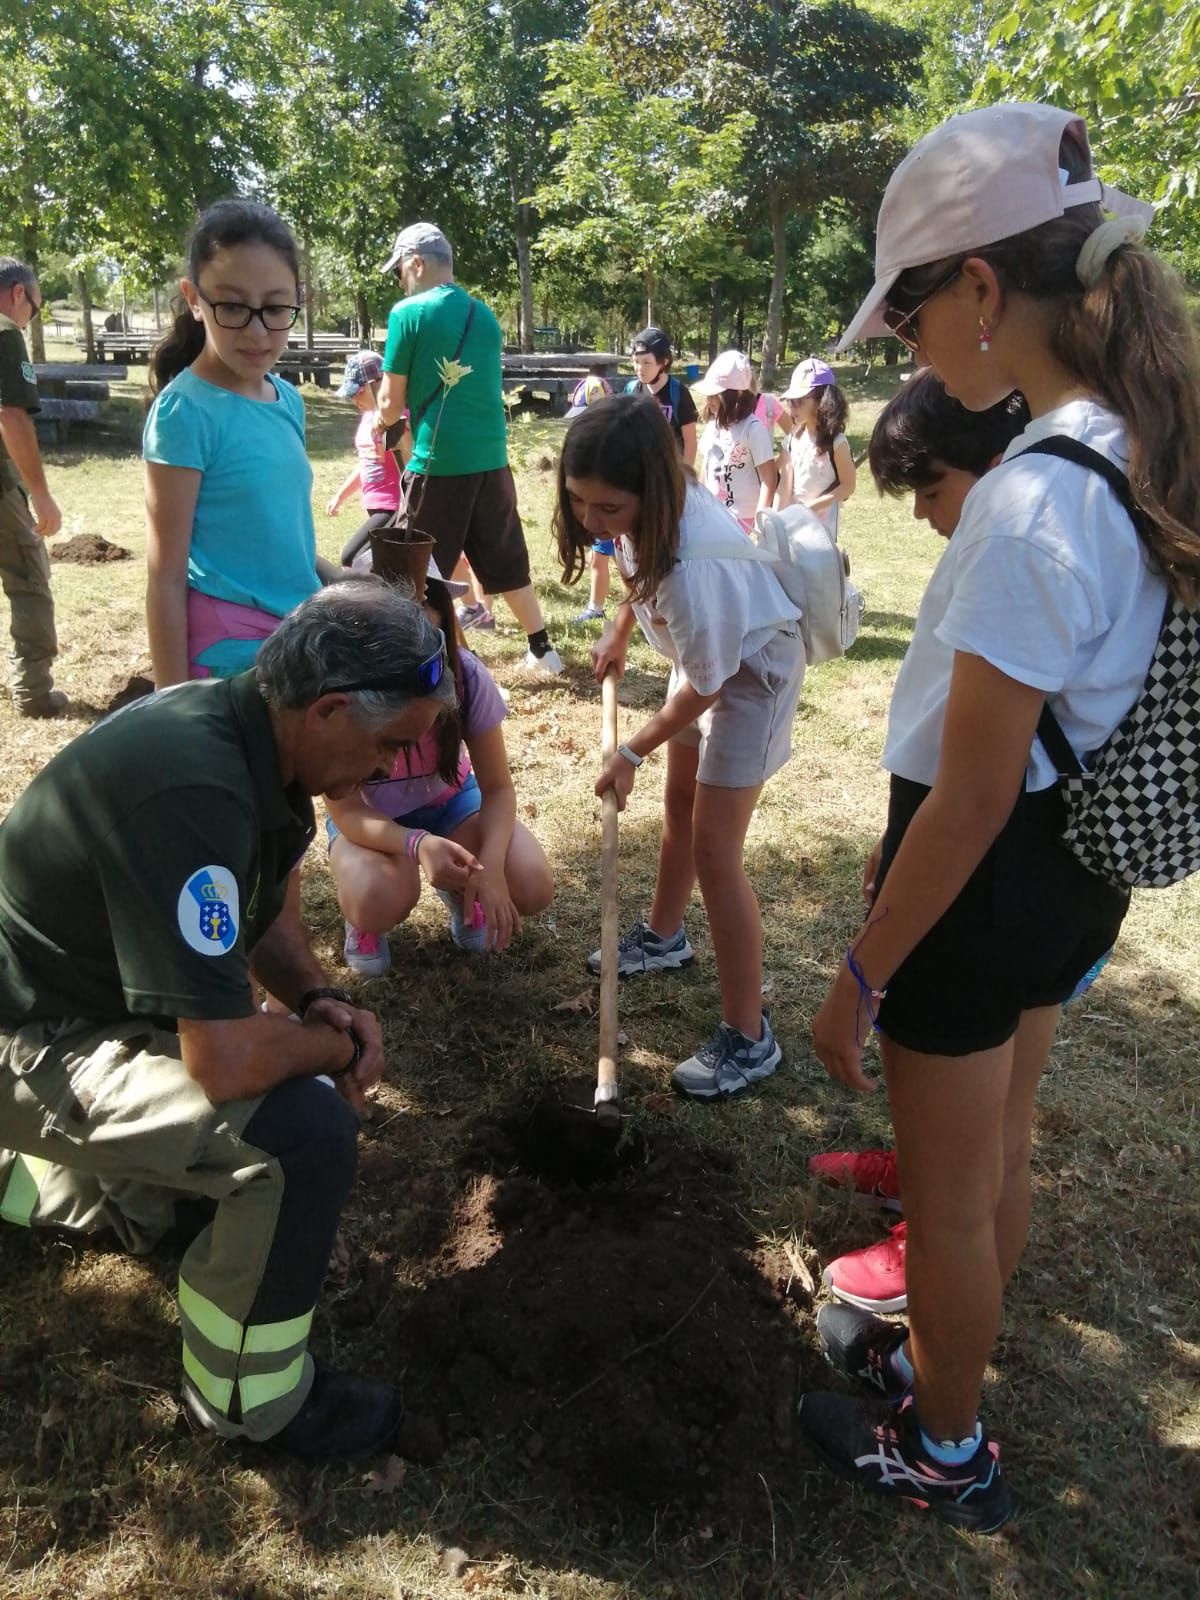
[
  {"x": 473, "y": 514},
  {"x": 1028, "y": 924}
]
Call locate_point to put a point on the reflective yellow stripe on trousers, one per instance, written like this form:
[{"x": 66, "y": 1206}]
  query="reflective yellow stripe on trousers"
[
  {"x": 216, "y": 1344},
  {"x": 22, "y": 1189}
]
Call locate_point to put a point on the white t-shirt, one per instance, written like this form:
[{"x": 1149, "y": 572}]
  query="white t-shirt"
[
  {"x": 813, "y": 472},
  {"x": 709, "y": 614},
  {"x": 729, "y": 463},
  {"x": 1047, "y": 580}
]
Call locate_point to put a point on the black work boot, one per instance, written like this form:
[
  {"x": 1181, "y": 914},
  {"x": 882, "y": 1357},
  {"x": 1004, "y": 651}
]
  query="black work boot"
[{"x": 343, "y": 1417}]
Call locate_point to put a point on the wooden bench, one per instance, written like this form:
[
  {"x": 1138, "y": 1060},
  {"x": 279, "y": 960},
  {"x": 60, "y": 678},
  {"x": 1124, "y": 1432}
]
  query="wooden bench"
[
  {"x": 545, "y": 382},
  {"x": 306, "y": 366},
  {"x": 122, "y": 347},
  {"x": 72, "y": 392}
]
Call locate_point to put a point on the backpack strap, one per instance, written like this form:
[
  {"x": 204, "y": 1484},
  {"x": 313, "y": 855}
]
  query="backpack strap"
[
  {"x": 731, "y": 550},
  {"x": 416, "y": 416},
  {"x": 1054, "y": 741}
]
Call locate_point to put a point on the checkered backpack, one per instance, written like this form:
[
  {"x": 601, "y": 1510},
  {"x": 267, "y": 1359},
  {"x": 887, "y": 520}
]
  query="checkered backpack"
[{"x": 1133, "y": 812}]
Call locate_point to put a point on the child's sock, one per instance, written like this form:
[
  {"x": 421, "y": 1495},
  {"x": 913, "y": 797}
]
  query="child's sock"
[
  {"x": 951, "y": 1452},
  {"x": 901, "y": 1365},
  {"x": 539, "y": 642}
]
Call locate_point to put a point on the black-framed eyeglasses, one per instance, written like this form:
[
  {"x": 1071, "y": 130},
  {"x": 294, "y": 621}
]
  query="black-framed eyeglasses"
[
  {"x": 233, "y": 314},
  {"x": 36, "y": 304},
  {"x": 424, "y": 680},
  {"x": 904, "y": 323}
]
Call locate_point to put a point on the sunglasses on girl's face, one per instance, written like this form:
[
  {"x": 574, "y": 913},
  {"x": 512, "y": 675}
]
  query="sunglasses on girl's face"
[
  {"x": 904, "y": 323},
  {"x": 424, "y": 681}
]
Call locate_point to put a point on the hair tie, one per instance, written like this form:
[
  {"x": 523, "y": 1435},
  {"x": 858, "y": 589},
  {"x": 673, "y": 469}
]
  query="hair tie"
[{"x": 1100, "y": 244}]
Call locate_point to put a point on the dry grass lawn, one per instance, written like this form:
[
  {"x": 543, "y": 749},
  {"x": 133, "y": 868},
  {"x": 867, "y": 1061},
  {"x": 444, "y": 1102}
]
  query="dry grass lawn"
[{"x": 1095, "y": 1384}]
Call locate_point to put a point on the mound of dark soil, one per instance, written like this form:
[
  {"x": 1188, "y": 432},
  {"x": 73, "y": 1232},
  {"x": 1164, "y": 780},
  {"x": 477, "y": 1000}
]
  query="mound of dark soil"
[
  {"x": 624, "y": 1333},
  {"x": 88, "y": 550},
  {"x": 136, "y": 687}
]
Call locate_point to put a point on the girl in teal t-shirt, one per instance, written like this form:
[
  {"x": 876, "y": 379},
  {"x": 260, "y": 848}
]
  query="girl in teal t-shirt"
[{"x": 231, "y": 546}]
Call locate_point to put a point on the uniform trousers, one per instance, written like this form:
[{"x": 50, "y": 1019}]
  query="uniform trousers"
[{"x": 103, "y": 1128}]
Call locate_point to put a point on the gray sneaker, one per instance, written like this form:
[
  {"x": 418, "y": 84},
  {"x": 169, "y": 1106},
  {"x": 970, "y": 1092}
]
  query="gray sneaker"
[
  {"x": 728, "y": 1064},
  {"x": 466, "y": 938},
  {"x": 643, "y": 950}
]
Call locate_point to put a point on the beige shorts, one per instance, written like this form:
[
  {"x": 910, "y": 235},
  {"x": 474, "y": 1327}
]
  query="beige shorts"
[{"x": 745, "y": 736}]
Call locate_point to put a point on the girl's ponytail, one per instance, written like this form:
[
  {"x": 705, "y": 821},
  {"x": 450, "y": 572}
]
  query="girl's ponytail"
[
  {"x": 1131, "y": 341},
  {"x": 177, "y": 349}
]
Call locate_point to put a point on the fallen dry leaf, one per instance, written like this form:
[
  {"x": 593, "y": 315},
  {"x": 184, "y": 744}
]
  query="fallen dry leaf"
[
  {"x": 387, "y": 1481},
  {"x": 481, "y": 1579},
  {"x": 577, "y": 1002},
  {"x": 660, "y": 1102},
  {"x": 337, "y": 1272}
]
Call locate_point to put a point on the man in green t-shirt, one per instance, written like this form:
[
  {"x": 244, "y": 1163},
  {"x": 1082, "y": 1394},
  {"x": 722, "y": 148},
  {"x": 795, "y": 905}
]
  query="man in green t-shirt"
[
  {"x": 144, "y": 881},
  {"x": 28, "y": 514},
  {"x": 442, "y": 361}
]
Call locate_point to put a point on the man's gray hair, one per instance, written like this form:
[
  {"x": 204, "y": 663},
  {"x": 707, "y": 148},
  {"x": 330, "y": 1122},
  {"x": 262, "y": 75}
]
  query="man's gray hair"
[
  {"x": 13, "y": 272},
  {"x": 361, "y": 630}
]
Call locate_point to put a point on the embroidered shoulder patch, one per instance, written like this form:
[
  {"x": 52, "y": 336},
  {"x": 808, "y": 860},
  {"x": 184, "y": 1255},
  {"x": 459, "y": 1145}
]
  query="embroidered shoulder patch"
[{"x": 208, "y": 911}]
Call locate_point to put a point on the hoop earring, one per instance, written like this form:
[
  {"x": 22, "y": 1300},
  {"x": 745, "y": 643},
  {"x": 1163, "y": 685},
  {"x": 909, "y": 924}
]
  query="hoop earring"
[{"x": 985, "y": 337}]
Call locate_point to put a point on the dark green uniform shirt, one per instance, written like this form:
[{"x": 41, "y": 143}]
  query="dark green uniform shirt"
[
  {"x": 147, "y": 859},
  {"x": 18, "y": 387}
]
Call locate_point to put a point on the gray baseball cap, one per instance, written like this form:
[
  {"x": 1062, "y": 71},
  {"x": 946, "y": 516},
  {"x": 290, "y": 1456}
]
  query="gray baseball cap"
[{"x": 419, "y": 238}]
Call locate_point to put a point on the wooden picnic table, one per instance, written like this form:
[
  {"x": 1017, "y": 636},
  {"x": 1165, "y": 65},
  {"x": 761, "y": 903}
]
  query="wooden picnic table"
[
  {"x": 546, "y": 380},
  {"x": 72, "y": 391}
]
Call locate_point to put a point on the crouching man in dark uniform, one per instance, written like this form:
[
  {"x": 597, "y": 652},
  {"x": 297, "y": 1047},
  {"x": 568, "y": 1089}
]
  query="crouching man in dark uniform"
[{"x": 143, "y": 879}]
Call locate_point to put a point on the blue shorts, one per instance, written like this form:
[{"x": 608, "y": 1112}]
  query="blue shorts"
[
  {"x": 443, "y": 819},
  {"x": 604, "y": 547}
]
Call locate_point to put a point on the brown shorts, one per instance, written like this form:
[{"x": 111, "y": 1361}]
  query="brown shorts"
[{"x": 473, "y": 514}]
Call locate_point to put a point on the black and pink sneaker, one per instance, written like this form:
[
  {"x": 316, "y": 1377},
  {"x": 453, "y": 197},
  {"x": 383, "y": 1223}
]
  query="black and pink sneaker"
[
  {"x": 879, "y": 1447},
  {"x": 861, "y": 1346}
]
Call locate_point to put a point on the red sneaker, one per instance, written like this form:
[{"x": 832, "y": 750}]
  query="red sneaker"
[
  {"x": 870, "y": 1173},
  {"x": 872, "y": 1279}
]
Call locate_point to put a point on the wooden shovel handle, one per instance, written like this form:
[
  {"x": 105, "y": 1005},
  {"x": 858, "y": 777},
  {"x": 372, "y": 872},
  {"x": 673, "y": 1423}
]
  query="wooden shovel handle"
[{"x": 609, "y": 925}]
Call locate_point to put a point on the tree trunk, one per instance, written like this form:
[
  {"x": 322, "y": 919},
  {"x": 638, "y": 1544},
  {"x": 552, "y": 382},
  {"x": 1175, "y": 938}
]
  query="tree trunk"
[
  {"x": 85, "y": 302},
  {"x": 525, "y": 277},
  {"x": 157, "y": 311},
  {"x": 649, "y": 296},
  {"x": 714, "y": 319},
  {"x": 306, "y": 264},
  {"x": 363, "y": 308},
  {"x": 785, "y": 329},
  {"x": 739, "y": 326},
  {"x": 30, "y": 250},
  {"x": 771, "y": 340}
]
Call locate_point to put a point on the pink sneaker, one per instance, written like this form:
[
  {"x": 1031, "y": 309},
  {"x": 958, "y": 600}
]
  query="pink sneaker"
[
  {"x": 366, "y": 953},
  {"x": 872, "y": 1279},
  {"x": 870, "y": 1173}
]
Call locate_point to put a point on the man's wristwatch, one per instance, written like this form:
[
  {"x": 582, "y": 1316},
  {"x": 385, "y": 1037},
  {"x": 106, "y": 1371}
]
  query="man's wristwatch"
[
  {"x": 326, "y": 992},
  {"x": 631, "y": 756}
]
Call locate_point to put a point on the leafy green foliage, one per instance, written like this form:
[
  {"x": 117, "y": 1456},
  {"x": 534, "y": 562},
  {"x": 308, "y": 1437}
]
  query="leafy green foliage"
[{"x": 1131, "y": 68}]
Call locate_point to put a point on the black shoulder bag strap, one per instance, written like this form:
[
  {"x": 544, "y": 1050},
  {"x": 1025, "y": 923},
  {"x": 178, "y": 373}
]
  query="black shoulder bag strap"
[
  {"x": 414, "y": 417},
  {"x": 1054, "y": 740}
]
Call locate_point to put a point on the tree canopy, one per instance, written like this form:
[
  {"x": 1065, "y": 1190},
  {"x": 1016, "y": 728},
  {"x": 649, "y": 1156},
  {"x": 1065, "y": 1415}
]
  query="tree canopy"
[{"x": 593, "y": 161}]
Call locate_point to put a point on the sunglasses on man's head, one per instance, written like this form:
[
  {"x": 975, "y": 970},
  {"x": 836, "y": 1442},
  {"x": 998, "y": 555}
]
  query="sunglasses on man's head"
[
  {"x": 904, "y": 323},
  {"x": 423, "y": 681}
]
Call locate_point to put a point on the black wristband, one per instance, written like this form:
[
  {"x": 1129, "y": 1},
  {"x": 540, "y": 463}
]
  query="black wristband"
[
  {"x": 354, "y": 1059},
  {"x": 325, "y": 993}
]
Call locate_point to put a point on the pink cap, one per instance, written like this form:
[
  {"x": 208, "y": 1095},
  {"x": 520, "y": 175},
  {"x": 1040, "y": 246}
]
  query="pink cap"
[
  {"x": 809, "y": 375},
  {"x": 731, "y": 370},
  {"x": 979, "y": 178}
]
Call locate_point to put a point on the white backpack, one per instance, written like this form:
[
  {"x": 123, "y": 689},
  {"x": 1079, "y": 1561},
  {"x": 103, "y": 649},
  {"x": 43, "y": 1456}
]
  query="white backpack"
[{"x": 814, "y": 571}]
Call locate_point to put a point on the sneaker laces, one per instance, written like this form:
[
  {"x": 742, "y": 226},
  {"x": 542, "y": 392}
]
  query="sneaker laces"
[
  {"x": 367, "y": 944},
  {"x": 873, "y": 1169}
]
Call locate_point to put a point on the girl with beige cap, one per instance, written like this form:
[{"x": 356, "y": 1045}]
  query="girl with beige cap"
[{"x": 1004, "y": 263}]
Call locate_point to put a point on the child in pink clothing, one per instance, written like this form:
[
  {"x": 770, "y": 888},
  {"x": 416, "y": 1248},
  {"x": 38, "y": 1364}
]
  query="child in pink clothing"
[{"x": 377, "y": 474}]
